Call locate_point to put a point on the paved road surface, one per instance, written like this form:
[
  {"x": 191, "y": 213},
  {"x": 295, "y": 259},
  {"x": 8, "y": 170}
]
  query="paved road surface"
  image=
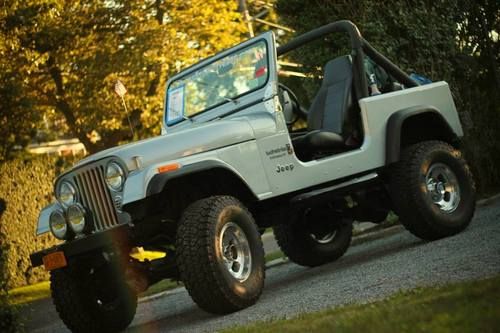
[{"x": 368, "y": 272}]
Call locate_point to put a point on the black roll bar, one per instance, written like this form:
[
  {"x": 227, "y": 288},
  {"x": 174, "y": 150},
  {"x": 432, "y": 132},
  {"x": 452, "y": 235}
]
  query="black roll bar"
[{"x": 359, "y": 46}]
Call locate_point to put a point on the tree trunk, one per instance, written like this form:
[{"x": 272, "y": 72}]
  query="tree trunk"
[{"x": 63, "y": 106}]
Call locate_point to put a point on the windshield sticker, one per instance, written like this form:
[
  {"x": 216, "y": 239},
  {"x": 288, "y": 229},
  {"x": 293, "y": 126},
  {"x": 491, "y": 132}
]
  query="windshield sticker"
[{"x": 175, "y": 109}]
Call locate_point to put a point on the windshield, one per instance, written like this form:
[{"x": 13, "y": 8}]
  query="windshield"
[{"x": 221, "y": 81}]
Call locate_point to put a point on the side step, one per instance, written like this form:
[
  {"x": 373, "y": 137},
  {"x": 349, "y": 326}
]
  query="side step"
[{"x": 326, "y": 193}]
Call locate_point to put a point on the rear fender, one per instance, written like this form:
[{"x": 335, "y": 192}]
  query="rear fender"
[{"x": 414, "y": 124}]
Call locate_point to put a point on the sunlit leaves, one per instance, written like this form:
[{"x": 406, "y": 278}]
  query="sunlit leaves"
[{"x": 68, "y": 55}]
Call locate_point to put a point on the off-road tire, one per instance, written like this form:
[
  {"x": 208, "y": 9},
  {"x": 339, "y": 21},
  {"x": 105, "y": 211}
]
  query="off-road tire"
[
  {"x": 79, "y": 310},
  {"x": 300, "y": 247},
  {"x": 417, "y": 212},
  {"x": 201, "y": 263}
]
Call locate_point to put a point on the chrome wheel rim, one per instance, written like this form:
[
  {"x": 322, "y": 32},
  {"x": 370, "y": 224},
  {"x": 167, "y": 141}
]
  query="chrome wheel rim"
[
  {"x": 235, "y": 251},
  {"x": 442, "y": 187},
  {"x": 325, "y": 238}
]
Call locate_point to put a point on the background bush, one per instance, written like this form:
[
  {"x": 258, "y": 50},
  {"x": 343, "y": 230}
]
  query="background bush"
[
  {"x": 7, "y": 315},
  {"x": 25, "y": 188}
]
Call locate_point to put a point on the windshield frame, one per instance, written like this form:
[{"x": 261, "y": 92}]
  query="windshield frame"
[{"x": 207, "y": 62}]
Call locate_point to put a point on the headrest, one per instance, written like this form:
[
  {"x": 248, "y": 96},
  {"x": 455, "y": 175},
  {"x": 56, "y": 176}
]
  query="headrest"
[{"x": 338, "y": 69}]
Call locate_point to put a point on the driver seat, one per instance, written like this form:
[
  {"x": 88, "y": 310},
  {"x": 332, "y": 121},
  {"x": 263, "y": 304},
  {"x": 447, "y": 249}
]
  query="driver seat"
[{"x": 328, "y": 122}]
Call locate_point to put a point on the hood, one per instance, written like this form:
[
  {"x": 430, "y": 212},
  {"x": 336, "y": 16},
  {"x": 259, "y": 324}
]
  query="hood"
[{"x": 197, "y": 139}]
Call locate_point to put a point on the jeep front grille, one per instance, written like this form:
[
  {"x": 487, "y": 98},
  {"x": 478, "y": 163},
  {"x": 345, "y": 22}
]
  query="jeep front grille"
[{"x": 95, "y": 196}]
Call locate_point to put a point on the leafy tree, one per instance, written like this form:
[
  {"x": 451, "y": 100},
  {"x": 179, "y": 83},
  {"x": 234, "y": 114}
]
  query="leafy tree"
[
  {"x": 17, "y": 122},
  {"x": 68, "y": 55}
]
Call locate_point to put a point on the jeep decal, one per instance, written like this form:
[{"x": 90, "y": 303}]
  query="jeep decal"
[{"x": 280, "y": 151}]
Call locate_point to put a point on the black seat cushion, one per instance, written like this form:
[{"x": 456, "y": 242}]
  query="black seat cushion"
[{"x": 319, "y": 140}]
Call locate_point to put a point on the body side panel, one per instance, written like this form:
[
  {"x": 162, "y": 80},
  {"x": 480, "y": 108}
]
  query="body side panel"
[{"x": 286, "y": 173}]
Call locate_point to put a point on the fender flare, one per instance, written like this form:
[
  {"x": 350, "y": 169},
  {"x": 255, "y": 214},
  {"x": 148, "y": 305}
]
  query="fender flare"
[
  {"x": 395, "y": 124},
  {"x": 158, "y": 181}
]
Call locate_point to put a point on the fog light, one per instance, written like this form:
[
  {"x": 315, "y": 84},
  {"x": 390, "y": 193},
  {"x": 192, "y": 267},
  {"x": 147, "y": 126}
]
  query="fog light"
[
  {"x": 58, "y": 225},
  {"x": 76, "y": 218}
]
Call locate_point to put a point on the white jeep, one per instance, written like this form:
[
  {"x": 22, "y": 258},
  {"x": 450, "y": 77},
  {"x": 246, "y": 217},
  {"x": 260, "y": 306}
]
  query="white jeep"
[{"x": 229, "y": 165}]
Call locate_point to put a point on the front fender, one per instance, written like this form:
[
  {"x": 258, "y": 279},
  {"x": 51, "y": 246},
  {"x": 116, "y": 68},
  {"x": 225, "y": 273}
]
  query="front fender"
[
  {"x": 150, "y": 181},
  {"x": 159, "y": 180},
  {"x": 43, "y": 219}
]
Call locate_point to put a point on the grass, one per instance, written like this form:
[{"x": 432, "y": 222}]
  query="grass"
[
  {"x": 30, "y": 293},
  {"x": 37, "y": 291},
  {"x": 390, "y": 220},
  {"x": 274, "y": 255},
  {"x": 159, "y": 287},
  {"x": 463, "y": 307}
]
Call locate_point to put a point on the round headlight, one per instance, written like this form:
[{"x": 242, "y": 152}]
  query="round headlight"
[
  {"x": 115, "y": 176},
  {"x": 67, "y": 193},
  {"x": 58, "y": 225},
  {"x": 76, "y": 218}
]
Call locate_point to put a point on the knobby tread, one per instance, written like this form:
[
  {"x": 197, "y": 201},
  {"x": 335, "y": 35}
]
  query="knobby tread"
[
  {"x": 197, "y": 261},
  {"x": 405, "y": 190},
  {"x": 288, "y": 244},
  {"x": 72, "y": 314},
  {"x": 68, "y": 296}
]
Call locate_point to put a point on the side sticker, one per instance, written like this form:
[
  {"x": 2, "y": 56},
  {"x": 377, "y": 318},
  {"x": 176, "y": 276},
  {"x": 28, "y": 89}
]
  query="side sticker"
[{"x": 280, "y": 152}]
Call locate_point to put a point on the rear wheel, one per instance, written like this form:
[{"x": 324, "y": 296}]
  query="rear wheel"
[
  {"x": 311, "y": 242},
  {"x": 92, "y": 300},
  {"x": 220, "y": 255},
  {"x": 432, "y": 190}
]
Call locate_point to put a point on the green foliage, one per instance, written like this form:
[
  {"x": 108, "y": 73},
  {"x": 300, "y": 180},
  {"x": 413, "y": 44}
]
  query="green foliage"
[
  {"x": 62, "y": 59},
  {"x": 447, "y": 40},
  {"x": 25, "y": 188},
  {"x": 464, "y": 307},
  {"x": 7, "y": 314},
  {"x": 17, "y": 122}
]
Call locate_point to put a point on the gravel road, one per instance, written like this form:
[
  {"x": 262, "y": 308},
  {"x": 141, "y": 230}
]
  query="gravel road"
[{"x": 369, "y": 271}]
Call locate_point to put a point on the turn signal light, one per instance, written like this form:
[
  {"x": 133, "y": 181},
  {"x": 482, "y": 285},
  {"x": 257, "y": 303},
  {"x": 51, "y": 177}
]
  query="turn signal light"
[{"x": 169, "y": 167}]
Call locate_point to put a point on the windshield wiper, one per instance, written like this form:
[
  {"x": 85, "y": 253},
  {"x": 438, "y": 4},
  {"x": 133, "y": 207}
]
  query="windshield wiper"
[
  {"x": 214, "y": 89},
  {"x": 228, "y": 99}
]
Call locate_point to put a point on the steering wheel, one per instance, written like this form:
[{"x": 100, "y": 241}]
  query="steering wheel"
[{"x": 295, "y": 108}]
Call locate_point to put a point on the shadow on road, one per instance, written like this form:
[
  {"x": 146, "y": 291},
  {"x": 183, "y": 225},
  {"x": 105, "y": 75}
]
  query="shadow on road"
[
  {"x": 191, "y": 315},
  {"x": 369, "y": 253}
]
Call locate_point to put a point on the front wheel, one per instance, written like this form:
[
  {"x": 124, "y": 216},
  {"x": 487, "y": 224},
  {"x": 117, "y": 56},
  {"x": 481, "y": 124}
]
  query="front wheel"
[
  {"x": 220, "y": 255},
  {"x": 433, "y": 190},
  {"x": 93, "y": 300}
]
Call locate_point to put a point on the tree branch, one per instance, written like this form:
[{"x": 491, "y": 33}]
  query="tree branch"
[{"x": 59, "y": 101}]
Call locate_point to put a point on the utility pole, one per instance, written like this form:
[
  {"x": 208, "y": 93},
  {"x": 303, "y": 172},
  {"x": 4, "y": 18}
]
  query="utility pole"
[{"x": 242, "y": 8}]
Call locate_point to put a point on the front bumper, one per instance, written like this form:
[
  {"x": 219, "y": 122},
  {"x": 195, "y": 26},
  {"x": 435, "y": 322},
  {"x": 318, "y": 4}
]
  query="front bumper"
[{"x": 112, "y": 238}]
